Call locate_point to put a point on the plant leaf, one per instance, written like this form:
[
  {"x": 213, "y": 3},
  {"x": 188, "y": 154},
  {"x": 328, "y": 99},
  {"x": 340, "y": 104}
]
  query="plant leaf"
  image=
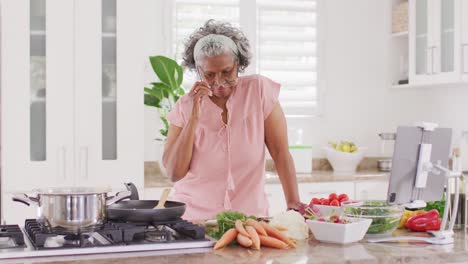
[
  {"x": 152, "y": 101},
  {"x": 180, "y": 91},
  {"x": 155, "y": 93},
  {"x": 163, "y": 89},
  {"x": 165, "y": 69},
  {"x": 164, "y": 119},
  {"x": 180, "y": 75},
  {"x": 166, "y": 91},
  {"x": 163, "y": 132}
]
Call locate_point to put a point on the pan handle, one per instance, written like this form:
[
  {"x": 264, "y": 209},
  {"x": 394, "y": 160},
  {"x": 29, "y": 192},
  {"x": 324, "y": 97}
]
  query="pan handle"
[
  {"x": 118, "y": 197},
  {"x": 24, "y": 198}
]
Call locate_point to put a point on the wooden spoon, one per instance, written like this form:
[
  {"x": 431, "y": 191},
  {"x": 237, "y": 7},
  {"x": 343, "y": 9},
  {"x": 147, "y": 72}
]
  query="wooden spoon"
[{"x": 163, "y": 199}]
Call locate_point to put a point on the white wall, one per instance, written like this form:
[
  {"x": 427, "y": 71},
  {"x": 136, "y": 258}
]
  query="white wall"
[
  {"x": 357, "y": 100},
  {"x": 353, "y": 77}
]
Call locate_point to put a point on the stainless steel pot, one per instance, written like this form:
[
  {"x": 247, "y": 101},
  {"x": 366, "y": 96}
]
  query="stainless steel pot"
[
  {"x": 71, "y": 210},
  {"x": 384, "y": 165}
]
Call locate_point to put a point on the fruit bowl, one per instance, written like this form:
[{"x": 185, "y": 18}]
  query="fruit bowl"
[
  {"x": 337, "y": 233},
  {"x": 344, "y": 163}
]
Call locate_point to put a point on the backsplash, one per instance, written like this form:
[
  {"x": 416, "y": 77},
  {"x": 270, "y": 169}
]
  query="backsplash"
[{"x": 155, "y": 178}]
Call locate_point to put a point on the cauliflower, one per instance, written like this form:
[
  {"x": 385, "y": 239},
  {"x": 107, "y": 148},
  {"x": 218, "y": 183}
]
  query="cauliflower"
[{"x": 294, "y": 222}]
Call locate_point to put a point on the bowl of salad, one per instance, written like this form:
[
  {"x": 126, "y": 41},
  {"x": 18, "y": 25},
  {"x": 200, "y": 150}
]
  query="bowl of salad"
[
  {"x": 385, "y": 217},
  {"x": 338, "y": 230}
]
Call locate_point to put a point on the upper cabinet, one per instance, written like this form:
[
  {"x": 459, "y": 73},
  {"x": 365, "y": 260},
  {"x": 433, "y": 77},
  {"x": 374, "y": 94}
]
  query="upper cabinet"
[
  {"x": 432, "y": 52},
  {"x": 433, "y": 36},
  {"x": 37, "y": 93},
  {"x": 464, "y": 39},
  {"x": 72, "y": 93}
]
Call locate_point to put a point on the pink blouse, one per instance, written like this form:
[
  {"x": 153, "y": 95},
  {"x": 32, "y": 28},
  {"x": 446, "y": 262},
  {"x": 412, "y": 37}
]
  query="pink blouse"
[{"x": 227, "y": 171}]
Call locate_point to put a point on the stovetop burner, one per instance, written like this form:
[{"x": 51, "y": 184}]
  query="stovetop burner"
[
  {"x": 11, "y": 237},
  {"x": 115, "y": 233}
]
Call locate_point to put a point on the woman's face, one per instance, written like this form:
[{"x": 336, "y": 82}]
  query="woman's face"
[{"x": 220, "y": 72}]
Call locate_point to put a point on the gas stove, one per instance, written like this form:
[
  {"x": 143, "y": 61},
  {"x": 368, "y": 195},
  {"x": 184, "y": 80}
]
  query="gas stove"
[{"x": 37, "y": 240}]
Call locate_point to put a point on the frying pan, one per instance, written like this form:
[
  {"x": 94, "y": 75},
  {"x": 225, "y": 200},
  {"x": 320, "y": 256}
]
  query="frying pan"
[{"x": 142, "y": 211}]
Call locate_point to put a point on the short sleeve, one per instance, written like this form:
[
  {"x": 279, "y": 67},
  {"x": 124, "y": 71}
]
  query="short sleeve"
[
  {"x": 269, "y": 92},
  {"x": 176, "y": 115}
]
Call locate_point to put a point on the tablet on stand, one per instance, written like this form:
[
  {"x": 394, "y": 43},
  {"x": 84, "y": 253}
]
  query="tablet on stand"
[{"x": 419, "y": 175}]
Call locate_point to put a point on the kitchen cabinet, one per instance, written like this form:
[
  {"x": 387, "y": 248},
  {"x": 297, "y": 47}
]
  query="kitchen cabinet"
[
  {"x": 434, "y": 50},
  {"x": 464, "y": 39},
  {"x": 371, "y": 190},
  {"x": 361, "y": 190},
  {"x": 275, "y": 196},
  {"x": 72, "y": 109},
  {"x": 307, "y": 191}
]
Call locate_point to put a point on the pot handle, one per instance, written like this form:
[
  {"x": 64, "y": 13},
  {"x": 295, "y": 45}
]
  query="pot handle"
[
  {"x": 133, "y": 189},
  {"x": 24, "y": 198},
  {"x": 118, "y": 197}
]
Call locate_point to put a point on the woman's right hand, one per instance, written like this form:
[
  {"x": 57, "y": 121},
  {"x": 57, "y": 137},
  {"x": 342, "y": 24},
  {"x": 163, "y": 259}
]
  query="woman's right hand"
[{"x": 198, "y": 91}]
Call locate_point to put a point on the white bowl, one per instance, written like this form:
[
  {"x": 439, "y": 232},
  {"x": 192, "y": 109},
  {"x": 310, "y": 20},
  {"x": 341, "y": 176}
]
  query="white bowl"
[
  {"x": 344, "y": 163},
  {"x": 340, "y": 233},
  {"x": 327, "y": 210}
]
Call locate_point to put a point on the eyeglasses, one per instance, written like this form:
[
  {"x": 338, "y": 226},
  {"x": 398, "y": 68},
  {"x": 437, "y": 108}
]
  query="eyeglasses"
[{"x": 227, "y": 78}]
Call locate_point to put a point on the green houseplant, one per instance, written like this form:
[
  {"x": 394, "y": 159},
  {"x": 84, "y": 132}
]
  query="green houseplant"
[{"x": 165, "y": 93}]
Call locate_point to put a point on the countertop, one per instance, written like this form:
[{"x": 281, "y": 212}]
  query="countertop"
[
  {"x": 315, "y": 176},
  {"x": 310, "y": 251}
]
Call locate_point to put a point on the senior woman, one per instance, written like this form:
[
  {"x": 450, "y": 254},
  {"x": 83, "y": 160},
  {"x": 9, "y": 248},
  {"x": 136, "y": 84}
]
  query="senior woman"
[{"x": 215, "y": 149}]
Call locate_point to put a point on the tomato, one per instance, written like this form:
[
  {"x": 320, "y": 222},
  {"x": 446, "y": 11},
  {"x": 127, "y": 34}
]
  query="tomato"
[
  {"x": 325, "y": 202},
  {"x": 343, "y": 197},
  {"x": 335, "y": 203},
  {"x": 315, "y": 201},
  {"x": 321, "y": 219},
  {"x": 334, "y": 219},
  {"x": 332, "y": 196}
]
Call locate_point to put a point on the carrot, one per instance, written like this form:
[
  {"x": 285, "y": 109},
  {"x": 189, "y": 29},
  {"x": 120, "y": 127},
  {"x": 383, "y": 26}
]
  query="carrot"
[
  {"x": 273, "y": 232},
  {"x": 240, "y": 228},
  {"x": 254, "y": 236},
  {"x": 255, "y": 224},
  {"x": 272, "y": 242},
  {"x": 243, "y": 240},
  {"x": 227, "y": 238},
  {"x": 280, "y": 228}
]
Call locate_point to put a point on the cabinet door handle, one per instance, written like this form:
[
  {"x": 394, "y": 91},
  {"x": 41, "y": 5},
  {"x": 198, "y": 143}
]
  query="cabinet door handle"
[
  {"x": 61, "y": 163},
  {"x": 463, "y": 46},
  {"x": 84, "y": 163},
  {"x": 429, "y": 54},
  {"x": 430, "y": 66}
]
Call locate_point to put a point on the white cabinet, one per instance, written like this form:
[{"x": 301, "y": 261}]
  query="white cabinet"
[
  {"x": 371, "y": 190},
  {"x": 276, "y": 200},
  {"x": 434, "y": 50},
  {"x": 464, "y": 39},
  {"x": 307, "y": 191},
  {"x": 72, "y": 104}
]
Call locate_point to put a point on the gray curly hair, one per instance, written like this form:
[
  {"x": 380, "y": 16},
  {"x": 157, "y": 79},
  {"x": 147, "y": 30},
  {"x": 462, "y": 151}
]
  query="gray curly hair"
[{"x": 222, "y": 28}]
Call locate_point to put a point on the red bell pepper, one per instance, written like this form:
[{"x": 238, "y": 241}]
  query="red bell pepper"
[{"x": 429, "y": 221}]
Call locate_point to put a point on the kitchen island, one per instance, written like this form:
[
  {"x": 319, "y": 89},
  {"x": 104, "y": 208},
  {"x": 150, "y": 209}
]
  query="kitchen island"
[{"x": 310, "y": 251}]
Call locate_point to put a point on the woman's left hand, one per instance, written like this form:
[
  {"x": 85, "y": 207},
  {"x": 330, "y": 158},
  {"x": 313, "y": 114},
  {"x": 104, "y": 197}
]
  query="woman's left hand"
[{"x": 296, "y": 206}]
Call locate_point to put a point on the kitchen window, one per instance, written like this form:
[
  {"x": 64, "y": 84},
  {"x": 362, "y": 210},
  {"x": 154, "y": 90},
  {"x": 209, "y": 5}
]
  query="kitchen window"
[{"x": 283, "y": 36}]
